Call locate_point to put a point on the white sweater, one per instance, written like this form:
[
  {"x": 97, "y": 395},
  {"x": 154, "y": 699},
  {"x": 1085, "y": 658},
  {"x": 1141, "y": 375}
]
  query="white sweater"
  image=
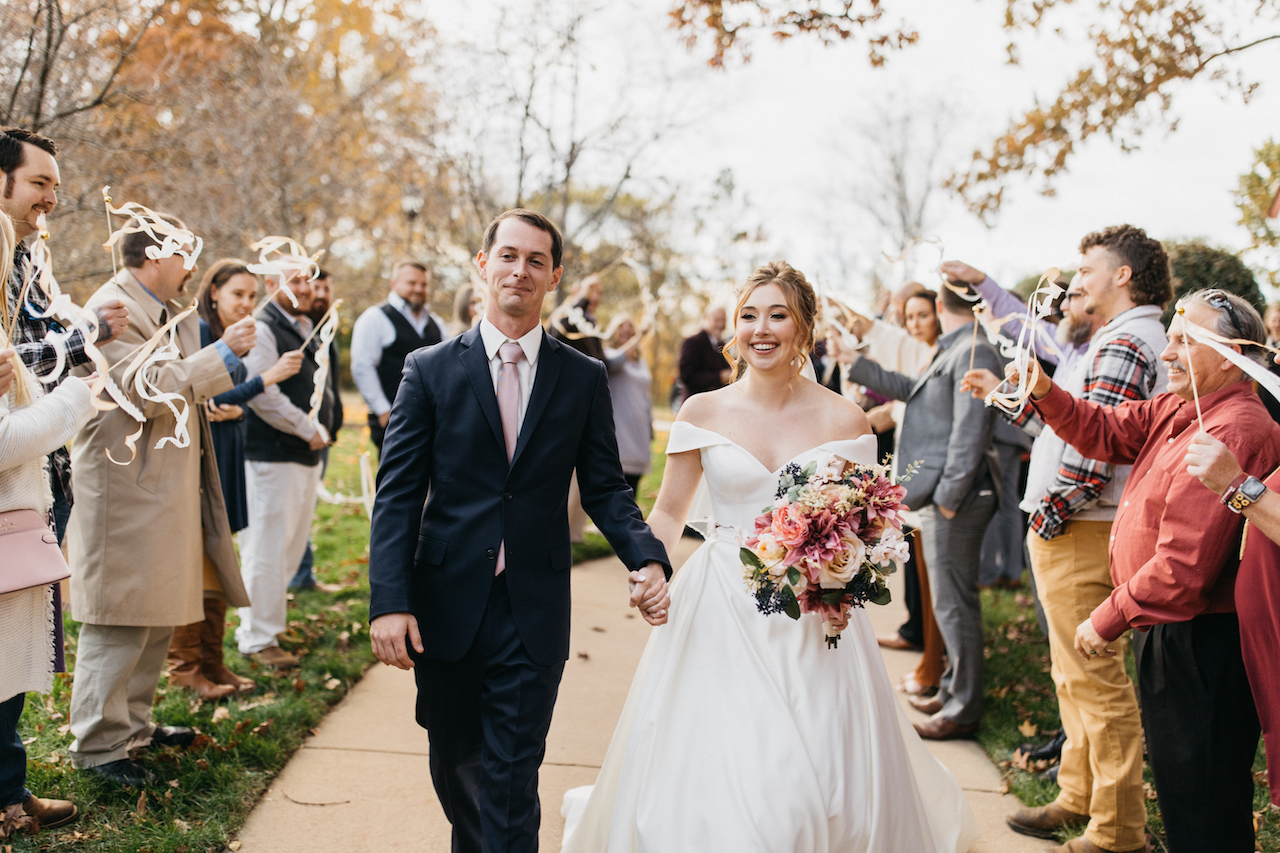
[{"x": 27, "y": 435}]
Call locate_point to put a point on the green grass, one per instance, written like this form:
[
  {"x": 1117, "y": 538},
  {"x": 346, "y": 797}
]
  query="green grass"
[
  {"x": 1019, "y": 691},
  {"x": 205, "y": 792}
]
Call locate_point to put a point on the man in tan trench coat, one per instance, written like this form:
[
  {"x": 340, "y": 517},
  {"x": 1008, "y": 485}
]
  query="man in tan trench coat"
[{"x": 139, "y": 532}]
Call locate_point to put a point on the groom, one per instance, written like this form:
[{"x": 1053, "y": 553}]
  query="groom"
[{"x": 472, "y": 590}]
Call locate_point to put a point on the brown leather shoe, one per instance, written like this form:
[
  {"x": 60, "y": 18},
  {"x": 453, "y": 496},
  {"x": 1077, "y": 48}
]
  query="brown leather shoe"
[
  {"x": 184, "y": 665},
  {"x": 275, "y": 657},
  {"x": 940, "y": 728},
  {"x": 925, "y": 705},
  {"x": 908, "y": 685},
  {"x": 895, "y": 641},
  {"x": 1084, "y": 845},
  {"x": 50, "y": 813},
  {"x": 1044, "y": 821}
]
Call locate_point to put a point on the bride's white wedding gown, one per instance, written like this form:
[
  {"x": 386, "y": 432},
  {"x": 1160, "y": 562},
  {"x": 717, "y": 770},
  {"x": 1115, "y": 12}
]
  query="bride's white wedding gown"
[{"x": 744, "y": 733}]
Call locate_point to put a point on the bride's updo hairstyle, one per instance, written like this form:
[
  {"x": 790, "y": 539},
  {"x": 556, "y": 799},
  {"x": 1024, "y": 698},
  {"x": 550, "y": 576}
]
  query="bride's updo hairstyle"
[{"x": 802, "y": 302}]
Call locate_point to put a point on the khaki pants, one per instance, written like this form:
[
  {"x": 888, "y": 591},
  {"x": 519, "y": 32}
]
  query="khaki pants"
[
  {"x": 117, "y": 669},
  {"x": 1101, "y": 772}
]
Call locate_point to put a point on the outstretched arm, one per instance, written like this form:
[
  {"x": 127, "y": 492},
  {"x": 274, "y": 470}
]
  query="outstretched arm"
[{"x": 680, "y": 481}]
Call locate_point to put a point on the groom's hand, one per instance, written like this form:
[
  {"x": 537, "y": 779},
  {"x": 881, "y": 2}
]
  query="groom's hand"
[
  {"x": 387, "y": 634},
  {"x": 649, "y": 593}
]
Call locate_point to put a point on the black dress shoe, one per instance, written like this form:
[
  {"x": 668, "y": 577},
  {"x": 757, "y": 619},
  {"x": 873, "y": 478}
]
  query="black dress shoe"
[
  {"x": 172, "y": 736},
  {"x": 124, "y": 772},
  {"x": 1051, "y": 751}
]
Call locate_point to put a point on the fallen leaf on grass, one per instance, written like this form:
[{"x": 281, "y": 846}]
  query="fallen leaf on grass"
[
  {"x": 201, "y": 764},
  {"x": 1027, "y": 728},
  {"x": 1148, "y": 792},
  {"x": 141, "y": 809},
  {"x": 221, "y": 714},
  {"x": 182, "y": 825},
  {"x": 233, "y": 846},
  {"x": 1004, "y": 786},
  {"x": 333, "y": 684},
  {"x": 298, "y": 684}
]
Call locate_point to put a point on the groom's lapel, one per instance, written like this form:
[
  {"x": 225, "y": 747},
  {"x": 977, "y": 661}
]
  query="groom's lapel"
[
  {"x": 544, "y": 383},
  {"x": 477, "y": 367}
]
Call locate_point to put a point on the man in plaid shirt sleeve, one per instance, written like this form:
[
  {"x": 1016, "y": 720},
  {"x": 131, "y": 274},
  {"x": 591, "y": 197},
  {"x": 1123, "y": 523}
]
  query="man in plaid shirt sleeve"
[
  {"x": 1113, "y": 306},
  {"x": 28, "y": 161}
]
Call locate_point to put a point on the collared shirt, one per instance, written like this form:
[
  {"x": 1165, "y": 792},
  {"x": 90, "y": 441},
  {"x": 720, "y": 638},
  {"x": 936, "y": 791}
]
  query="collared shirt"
[
  {"x": 230, "y": 359},
  {"x": 1174, "y": 546},
  {"x": 272, "y": 405},
  {"x": 527, "y": 367},
  {"x": 372, "y": 333}
]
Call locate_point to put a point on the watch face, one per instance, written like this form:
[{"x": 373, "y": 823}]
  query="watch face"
[{"x": 1252, "y": 489}]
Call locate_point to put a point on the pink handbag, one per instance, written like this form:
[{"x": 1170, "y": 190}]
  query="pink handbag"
[{"x": 29, "y": 552}]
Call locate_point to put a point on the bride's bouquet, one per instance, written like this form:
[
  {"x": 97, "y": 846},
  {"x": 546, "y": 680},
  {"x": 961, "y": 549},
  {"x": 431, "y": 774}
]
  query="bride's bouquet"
[{"x": 827, "y": 544}]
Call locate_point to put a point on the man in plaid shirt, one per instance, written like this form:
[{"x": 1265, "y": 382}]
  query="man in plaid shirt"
[
  {"x": 1114, "y": 306},
  {"x": 30, "y": 194}
]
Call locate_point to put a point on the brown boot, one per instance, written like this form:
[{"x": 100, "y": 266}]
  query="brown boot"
[
  {"x": 184, "y": 665},
  {"x": 212, "y": 630},
  {"x": 1044, "y": 821}
]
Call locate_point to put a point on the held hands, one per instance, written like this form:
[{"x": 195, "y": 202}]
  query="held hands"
[
  {"x": 980, "y": 382},
  {"x": 387, "y": 635},
  {"x": 218, "y": 413},
  {"x": 113, "y": 318},
  {"x": 1212, "y": 462},
  {"x": 241, "y": 335},
  {"x": 1090, "y": 644},
  {"x": 383, "y": 419},
  {"x": 649, "y": 593}
]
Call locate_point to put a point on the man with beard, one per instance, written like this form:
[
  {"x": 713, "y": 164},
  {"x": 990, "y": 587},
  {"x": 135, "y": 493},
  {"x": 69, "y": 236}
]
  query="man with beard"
[
  {"x": 1110, "y": 339},
  {"x": 385, "y": 334},
  {"x": 283, "y": 448},
  {"x": 321, "y": 301}
]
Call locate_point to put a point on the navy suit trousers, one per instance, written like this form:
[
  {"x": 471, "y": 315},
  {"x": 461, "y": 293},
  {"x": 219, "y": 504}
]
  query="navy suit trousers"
[{"x": 487, "y": 717}]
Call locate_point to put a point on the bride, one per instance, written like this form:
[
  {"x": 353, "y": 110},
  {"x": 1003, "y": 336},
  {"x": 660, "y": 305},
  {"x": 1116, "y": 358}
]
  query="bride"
[{"x": 743, "y": 732}]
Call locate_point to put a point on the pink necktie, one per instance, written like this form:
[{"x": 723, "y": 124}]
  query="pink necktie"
[{"x": 509, "y": 409}]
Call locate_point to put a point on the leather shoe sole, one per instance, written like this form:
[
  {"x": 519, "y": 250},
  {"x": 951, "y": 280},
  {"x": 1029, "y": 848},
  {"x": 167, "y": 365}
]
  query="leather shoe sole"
[
  {"x": 930, "y": 706},
  {"x": 940, "y": 728}
]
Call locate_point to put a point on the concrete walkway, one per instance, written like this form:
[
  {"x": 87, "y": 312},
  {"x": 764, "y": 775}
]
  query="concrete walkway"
[{"x": 362, "y": 782}]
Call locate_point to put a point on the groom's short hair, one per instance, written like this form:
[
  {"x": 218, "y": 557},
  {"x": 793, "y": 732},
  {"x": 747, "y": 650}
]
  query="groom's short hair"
[{"x": 537, "y": 220}]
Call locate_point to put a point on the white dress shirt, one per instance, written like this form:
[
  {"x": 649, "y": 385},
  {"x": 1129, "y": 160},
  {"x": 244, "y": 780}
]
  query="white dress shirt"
[
  {"x": 373, "y": 333},
  {"x": 527, "y": 367},
  {"x": 272, "y": 405}
]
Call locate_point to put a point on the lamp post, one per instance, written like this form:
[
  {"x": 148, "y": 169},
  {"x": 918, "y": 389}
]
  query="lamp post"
[{"x": 411, "y": 202}]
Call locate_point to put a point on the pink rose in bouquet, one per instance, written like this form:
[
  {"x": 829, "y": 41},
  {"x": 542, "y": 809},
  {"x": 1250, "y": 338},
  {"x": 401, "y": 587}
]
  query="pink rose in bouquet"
[{"x": 828, "y": 544}]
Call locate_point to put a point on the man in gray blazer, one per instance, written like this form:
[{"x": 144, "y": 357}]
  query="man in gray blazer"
[{"x": 948, "y": 434}]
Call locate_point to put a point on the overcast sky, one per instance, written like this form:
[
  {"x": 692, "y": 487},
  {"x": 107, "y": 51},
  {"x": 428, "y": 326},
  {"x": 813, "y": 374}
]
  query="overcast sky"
[{"x": 782, "y": 123}]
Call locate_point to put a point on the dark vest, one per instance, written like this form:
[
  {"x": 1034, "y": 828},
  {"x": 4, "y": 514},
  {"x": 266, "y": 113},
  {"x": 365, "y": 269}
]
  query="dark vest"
[
  {"x": 391, "y": 365},
  {"x": 265, "y": 443}
]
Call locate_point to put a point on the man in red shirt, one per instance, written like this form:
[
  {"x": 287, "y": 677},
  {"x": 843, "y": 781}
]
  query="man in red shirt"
[{"x": 1174, "y": 554}]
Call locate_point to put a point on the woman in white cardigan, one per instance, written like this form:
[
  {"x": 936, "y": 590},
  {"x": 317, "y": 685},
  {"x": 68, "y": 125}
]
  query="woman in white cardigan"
[{"x": 32, "y": 424}]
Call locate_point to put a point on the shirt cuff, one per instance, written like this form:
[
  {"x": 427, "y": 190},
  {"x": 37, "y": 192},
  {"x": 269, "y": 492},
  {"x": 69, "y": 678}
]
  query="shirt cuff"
[
  {"x": 1107, "y": 620},
  {"x": 228, "y": 357}
]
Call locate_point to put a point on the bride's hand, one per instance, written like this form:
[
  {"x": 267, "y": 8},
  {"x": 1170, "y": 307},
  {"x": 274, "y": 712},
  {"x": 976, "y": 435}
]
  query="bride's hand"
[
  {"x": 840, "y": 624},
  {"x": 649, "y": 593}
]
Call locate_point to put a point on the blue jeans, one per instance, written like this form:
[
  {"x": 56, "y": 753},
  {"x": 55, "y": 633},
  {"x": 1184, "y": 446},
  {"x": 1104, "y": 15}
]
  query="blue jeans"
[{"x": 13, "y": 755}]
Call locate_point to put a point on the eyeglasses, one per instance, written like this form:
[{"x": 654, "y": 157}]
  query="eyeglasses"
[{"x": 1219, "y": 299}]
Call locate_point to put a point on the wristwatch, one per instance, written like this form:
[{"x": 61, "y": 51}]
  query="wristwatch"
[{"x": 1243, "y": 494}]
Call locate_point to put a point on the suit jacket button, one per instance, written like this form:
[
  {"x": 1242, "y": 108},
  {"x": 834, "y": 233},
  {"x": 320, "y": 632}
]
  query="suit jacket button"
[
  {"x": 491, "y": 554},
  {"x": 506, "y": 496}
]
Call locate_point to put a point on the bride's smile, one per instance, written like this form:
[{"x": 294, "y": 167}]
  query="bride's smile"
[{"x": 765, "y": 331}]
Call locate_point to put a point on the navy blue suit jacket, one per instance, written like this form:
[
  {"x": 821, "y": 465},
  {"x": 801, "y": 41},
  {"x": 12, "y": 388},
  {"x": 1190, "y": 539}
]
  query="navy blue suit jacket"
[{"x": 444, "y": 446}]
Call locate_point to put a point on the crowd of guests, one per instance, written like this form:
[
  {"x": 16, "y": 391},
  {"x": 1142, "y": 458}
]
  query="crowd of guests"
[{"x": 1123, "y": 482}]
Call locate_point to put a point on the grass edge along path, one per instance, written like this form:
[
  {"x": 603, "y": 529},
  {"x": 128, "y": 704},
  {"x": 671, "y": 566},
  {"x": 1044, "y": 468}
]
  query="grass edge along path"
[{"x": 1021, "y": 704}]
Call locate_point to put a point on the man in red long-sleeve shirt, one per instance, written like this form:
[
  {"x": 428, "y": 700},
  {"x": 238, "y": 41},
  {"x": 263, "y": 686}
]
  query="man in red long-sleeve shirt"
[{"x": 1174, "y": 553}]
